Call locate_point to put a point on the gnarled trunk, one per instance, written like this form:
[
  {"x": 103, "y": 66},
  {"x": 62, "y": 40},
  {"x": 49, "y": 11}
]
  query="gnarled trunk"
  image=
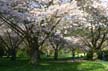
[
  {"x": 35, "y": 57},
  {"x": 35, "y": 54},
  {"x": 92, "y": 55}
]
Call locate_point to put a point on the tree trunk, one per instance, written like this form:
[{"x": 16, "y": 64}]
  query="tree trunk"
[
  {"x": 73, "y": 54},
  {"x": 35, "y": 56},
  {"x": 13, "y": 54},
  {"x": 84, "y": 54},
  {"x": 1, "y": 52},
  {"x": 92, "y": 55},
  {"x": 56, "y": 54}
]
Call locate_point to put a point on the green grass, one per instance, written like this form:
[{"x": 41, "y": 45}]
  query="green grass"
[{"x": 23, "y": 65}]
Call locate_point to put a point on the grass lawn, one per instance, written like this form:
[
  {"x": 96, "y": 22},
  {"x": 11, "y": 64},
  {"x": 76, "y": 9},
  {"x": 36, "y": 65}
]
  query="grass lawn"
[{"x": 22, "y": 65}]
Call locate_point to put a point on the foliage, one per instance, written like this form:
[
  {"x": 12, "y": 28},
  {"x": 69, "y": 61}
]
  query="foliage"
[{"x": 37, "y": 22}]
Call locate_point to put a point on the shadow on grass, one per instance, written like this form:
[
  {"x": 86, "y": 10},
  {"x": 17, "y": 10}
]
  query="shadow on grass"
[{"x": 23, "y": 65}]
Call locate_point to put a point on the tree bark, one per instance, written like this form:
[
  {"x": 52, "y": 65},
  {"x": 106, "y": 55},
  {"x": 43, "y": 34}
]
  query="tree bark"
[
  {"x": 35, "y": 56},
  {"x": 92, "y": 55},
  {"x": 56, "y": 54},
  {"x": 13, "y": 54},
  {"x": 73, "y": 54}
]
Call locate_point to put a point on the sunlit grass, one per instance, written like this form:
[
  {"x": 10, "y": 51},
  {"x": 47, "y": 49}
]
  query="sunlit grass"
[{"x": 23, "y": 65}]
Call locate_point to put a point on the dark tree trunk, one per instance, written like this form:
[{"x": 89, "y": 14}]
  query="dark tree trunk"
[
  {"x": 8, "y": 53},
  {"x": 13, "y": 54},
  {"x": 56, "y": 54},
  {"x": 35, "y": 56},
  {"x": 84, "y": 54},
  {"x": 1, "y": 52},
  {"x": 73, "y": 54},
  {"x": 92, "y": 55}
]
